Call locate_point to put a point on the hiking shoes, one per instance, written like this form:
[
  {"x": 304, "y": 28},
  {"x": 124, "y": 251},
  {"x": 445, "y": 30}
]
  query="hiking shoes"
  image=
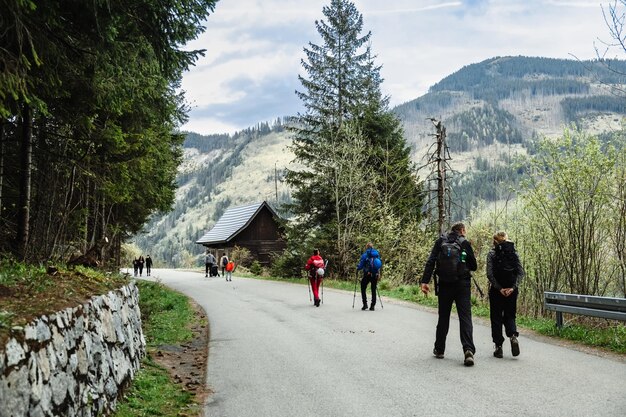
[
  {"x": 438, "y": 355},
  {"x": 372, "y": 307},
  {"x": 364, "y": 307},
  {"x": 498, "y": 352},
  {"x": 469, "y": 358},
  {"x": 514, "y": 346}
]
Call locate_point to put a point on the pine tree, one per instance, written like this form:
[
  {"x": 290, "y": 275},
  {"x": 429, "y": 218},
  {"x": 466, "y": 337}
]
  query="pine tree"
[{"x": 344, "y": 105}]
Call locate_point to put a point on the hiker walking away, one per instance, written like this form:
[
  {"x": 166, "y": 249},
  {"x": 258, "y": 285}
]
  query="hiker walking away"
[
  {"x": 452, "y": 259},
  {"x": 223, "y": 263},
  {"x": 230, "y": 267},
  {"x": 370, "y": 263},
  {"x": 141, "y": 262},
  {"x": 209, "y": 261},
  {"x": 504, "y": 272},
  {"x": 148, "y": 265},
  {"x": 315, "y": 268},
  {"x": 136, "y": 266}
]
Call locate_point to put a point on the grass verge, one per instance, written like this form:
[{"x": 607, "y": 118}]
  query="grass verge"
[{"x": 166, "y": 317}]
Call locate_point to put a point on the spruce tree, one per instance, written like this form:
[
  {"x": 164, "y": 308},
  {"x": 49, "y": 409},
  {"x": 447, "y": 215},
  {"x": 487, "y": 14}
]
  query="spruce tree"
[{"x": 344, "y": 104}]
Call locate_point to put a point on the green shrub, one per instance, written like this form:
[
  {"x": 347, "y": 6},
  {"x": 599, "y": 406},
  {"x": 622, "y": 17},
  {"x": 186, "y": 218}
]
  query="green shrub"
[{"x": 256, "y": 268}]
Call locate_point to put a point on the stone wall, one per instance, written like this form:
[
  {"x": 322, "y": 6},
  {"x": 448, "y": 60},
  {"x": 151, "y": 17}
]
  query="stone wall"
[{"x": 73, "y": 362}]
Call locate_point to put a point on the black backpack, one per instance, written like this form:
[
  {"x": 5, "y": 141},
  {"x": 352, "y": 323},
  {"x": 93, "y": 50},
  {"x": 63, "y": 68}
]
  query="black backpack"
[
  {"x": 449, "y": 265},
  {"x": 505, "y": 264}
]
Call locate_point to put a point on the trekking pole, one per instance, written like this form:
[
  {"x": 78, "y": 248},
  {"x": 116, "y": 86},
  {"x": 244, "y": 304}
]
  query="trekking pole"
[
  {"x": 356, "y": 279},
  {"x": 325, "y": 266},
  {"x": 378, "y": 291},
  {"x": 308, "y": 285}
]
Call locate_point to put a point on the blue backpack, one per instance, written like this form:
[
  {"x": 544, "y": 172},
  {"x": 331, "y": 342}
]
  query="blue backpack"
[{"x": 373, "y": 265}]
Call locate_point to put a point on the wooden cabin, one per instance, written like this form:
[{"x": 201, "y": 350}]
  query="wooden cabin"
[{"x": 253, "y": 226}]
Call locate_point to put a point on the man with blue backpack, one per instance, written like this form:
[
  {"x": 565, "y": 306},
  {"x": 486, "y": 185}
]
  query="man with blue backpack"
[
  {"x": 371, "y": 264},
  {"x": 452, "y": 260}
]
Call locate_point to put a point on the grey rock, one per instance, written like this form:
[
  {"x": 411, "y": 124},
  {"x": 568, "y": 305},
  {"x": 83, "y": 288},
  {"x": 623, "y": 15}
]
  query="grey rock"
[
  {"x": 15, "y": 352},
  {"x": 35, "y": 378},
  {"x": 108, "y": 331},
  {"x": 72, "y": 387},
  {"x": 120, "y": 365},
  {"x": 52, "y": 357},
  {"x": 110, "y": 388},
  {"x": 43, "y": 361},
  {"x": 124, "y": 313},
  {"x": 38, "y": 331},
  {"x": 79, "y": 325},
  {"x": 72, "y": 363},
  {"x": 36, "y": 411},
  {"x": 81, "y": 358},
  {"x": 58, "y": 341},
  {"x": 15, "y": 392},
  {"x": 45, "y": 400},
  {"x": 119, "y": 330},
  {"x": 58, "y": 383}
]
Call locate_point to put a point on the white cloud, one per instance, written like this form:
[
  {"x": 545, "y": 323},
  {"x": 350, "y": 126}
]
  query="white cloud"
[{"x": 254, "y": 48}]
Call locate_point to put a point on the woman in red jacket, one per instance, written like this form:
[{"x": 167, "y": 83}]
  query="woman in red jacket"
[{"x": 315, "y": 266}]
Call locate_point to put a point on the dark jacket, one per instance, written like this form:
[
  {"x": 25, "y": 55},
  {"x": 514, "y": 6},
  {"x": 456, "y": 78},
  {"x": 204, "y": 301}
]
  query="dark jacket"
[
  {"x": 519, "y": 269},
  {"x": 431, "y": 263}
]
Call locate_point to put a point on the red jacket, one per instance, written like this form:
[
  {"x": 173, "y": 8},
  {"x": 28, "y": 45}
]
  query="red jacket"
[{"x": 313, "y": 260}]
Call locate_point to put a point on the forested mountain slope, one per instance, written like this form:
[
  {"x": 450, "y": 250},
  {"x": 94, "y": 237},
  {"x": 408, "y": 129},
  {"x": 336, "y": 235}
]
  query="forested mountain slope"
[
  {"x": 492, "y": 111},
  {"x": 217, "y": 171}
]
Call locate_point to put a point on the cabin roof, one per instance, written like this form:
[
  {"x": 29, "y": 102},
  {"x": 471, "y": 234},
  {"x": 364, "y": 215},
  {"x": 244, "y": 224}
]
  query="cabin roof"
[{"x": 232, "y": 222}]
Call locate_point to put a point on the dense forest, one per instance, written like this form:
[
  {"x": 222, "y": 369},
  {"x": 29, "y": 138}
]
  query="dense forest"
[{"x": 89, "y": 110}]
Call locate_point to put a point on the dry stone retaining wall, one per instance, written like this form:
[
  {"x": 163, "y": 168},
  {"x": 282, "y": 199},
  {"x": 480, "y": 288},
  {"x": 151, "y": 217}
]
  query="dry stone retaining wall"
[{"x": 73, "y": 362}]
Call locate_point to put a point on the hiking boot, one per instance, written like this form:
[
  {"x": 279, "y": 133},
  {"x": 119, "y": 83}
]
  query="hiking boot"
[
  {"x": 469, "y": 358},
  {"x": 372, "y": 307},
  {"x": 514, "y": 346},
  {"x": 364, "y": 307},
  {"x": 438, "y": 355},
  {"x": 498, "y": 352}
]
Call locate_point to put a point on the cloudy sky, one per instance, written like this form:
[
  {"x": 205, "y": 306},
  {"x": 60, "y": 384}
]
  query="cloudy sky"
[{"x": 254, "y": 47}]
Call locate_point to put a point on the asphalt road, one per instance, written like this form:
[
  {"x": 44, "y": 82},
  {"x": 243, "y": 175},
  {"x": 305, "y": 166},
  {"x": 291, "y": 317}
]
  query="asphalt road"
[{"x": 271, "y": 353}]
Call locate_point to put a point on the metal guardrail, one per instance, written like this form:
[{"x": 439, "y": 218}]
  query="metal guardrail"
[{"x": 585, "y": 305}]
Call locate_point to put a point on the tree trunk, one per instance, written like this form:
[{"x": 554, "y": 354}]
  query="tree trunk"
[
  {"x": 26, "y": 154},
  {"x": 1, "y": 163}
]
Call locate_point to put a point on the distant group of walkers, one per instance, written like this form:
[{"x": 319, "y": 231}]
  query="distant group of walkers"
[
  {"x": 451, "y": 262},
  {"x": 212, "y": 267},
  {"x": 138, "y": 264}
]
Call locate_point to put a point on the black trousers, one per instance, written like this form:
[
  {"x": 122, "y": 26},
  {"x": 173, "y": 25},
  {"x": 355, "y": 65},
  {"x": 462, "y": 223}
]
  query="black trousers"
[
  {"x": 460, "y": 294},
  {"x": 208, "y": 268},
  {"x": 502, "y": 312},
  {"x": 366, "y": 280}
]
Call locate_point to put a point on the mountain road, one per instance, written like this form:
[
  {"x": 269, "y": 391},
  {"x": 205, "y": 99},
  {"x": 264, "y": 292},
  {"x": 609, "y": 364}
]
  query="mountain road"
[{"x": 272, "y": 353}]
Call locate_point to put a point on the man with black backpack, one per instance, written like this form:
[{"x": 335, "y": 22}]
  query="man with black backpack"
[
  {"x": 504, "y": 272},
  {"x": 370, "y": 263},
  {"x": 452, "y": 260}
]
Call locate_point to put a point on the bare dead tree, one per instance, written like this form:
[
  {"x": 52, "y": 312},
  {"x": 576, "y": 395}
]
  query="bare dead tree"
[{"x": 439, "y": 155}]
